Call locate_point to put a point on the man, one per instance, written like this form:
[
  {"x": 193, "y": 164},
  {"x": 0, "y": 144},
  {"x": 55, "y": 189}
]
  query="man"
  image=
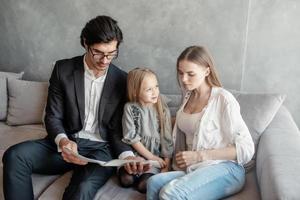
[{"x": 84, "y": 110}]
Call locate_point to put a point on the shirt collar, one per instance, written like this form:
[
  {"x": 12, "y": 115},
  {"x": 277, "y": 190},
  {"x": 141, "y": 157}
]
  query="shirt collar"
[{"x": 89, "y": 73}]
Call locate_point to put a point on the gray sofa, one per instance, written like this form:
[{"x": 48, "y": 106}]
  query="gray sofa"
[{"x": 275, "y": 175}]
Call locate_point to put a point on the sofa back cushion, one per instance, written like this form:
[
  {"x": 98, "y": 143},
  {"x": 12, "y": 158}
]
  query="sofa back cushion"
[
  {"x": 26, "y": 103},
  {"x": 173, "y": 101},
  {"x": 3, "y": 91},
  {"x": 257, "y": 110}
]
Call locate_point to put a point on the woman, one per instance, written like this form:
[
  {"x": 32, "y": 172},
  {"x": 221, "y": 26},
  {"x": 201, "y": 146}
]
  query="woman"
[{"x": 212, "y": 141}]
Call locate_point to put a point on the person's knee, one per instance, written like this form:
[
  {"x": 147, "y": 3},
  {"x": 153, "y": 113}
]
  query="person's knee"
[
  {"x": 142, "y": 187},
  {"x": 86, "y": 187},
  {"x": 126, "y": 180},
  {"x": 142, "y": 182},
  {"x": 154, "y": 180},
  {"x": 167, "y": 192},
  {"x": 12, "y": 154},
  {"x": 154, "y": 184}
]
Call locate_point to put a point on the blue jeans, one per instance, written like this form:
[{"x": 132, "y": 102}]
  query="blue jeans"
[{"x": 211, "y": 182}]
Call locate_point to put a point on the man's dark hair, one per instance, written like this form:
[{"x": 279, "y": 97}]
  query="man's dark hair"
[{"x": 102, "y": 29}]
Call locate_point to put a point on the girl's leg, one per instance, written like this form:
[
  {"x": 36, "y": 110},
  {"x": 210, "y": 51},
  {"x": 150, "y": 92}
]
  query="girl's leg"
[
  {"x": 126, "y": 180},
  {"x": 141, "y": 184},
  {"x": 212, "y": 182},
  {"x": 156, "y": 182}
]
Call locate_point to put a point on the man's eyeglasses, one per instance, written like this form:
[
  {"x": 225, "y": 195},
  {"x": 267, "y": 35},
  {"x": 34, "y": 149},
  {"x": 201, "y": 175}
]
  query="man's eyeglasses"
[{"x": 100, "y": 55}]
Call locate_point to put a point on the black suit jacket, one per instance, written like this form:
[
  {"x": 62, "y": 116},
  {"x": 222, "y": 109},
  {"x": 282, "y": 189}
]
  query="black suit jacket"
[{"x": 65, "y": 103}]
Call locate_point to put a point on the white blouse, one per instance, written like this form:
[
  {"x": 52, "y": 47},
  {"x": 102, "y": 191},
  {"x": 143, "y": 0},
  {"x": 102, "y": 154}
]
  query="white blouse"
[{"x": 220, "y": 126}]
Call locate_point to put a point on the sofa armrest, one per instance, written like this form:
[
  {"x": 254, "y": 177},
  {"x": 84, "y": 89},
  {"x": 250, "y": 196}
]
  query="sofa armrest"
[{"x": 278, "y": 158}]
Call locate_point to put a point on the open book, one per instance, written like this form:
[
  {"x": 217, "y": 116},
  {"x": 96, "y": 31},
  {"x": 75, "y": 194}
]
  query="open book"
[{"x": 112, "y": 163}]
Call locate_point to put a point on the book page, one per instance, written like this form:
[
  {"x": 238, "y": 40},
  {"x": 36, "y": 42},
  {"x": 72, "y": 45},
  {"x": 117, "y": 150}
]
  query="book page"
[{"x": 112, "y": 163}]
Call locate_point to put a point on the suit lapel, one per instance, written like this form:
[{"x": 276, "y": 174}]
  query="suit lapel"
[
  {"x": 107, "y": 90},
  {"x": 79, "y": 87}
]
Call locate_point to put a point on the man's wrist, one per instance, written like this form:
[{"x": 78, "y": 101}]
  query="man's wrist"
[
  {"x": 63, "y": 142},
  {"x": 57, "y": 140}
]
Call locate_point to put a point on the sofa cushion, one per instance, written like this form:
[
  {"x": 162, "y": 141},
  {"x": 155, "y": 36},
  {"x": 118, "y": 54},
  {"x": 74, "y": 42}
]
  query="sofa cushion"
[
  {"x": 277, "y": 158},
  {"x": 258, "y": 110},
  {"x": 10, "y": 135},
  {"x": 12, "y": 75},
  {"x": 111, "y": 190},
  {"x": 3, "y": 98},
  {"x": 250, "y": 190},
  {"x": 174, "y": 101},
  {"x": 39, "y": 182},
  {"x": 3, "y": 91},
  {"x": 285, "y": 178},
  {"x": 26, "y": 103}
]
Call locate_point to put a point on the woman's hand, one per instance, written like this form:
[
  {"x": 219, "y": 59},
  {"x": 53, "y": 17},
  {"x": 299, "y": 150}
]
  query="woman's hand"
[
  {"x": 162, "y": 163},
  {"x": 187, "y": 158},
  {"x": 165, "y": 169},
  {"x": 168, "y": 165}
]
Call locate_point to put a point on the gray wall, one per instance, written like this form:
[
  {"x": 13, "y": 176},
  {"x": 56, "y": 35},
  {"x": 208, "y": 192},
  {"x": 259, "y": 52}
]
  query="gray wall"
[{"x": 254, "y": 42}]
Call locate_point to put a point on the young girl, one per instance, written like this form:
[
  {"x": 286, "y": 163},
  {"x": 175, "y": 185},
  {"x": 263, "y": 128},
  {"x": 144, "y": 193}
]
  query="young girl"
[
  {"x": 212, "y": 141},
  {"x": 146, "y": 126}
]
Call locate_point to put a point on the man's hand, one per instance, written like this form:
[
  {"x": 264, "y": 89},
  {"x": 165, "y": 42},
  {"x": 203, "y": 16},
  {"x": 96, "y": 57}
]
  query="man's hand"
[
  {"x": 68, "y": 157},
  {"x": 187, "y": 158},
  {"x": 136, "y": 167}
]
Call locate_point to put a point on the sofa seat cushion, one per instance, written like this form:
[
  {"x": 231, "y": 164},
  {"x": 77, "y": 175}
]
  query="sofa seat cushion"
[
  {"x": 110, "y": 191},
  {"x": 10, "y": 135},
  {"x": 250, "y": 190},
  {"x": 39, "y": 182}
]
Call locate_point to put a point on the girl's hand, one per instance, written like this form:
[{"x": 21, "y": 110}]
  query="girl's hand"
[
  {"x": 162, "y": 163},
  {"x": 187, "y": 158},
  {"x": 165, "y": 169}
]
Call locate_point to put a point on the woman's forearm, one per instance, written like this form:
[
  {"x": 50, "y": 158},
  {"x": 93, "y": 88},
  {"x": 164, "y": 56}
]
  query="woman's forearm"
[{"x": 227, "y": 153}]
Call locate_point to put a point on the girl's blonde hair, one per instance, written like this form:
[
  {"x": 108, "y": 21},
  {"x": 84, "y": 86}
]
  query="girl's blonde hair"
[
  {"x": 201, "y": 56},
  {"x": 134, "y": 81}
]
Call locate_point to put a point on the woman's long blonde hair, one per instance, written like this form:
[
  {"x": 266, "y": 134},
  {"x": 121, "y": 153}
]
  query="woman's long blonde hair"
[
  {"x": 201, "y": 56},
  {"x": 134, "y": 81}
]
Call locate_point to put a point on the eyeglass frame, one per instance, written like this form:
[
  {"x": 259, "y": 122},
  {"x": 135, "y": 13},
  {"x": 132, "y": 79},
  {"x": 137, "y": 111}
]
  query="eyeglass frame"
[{"x": 102, "y": 54}]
